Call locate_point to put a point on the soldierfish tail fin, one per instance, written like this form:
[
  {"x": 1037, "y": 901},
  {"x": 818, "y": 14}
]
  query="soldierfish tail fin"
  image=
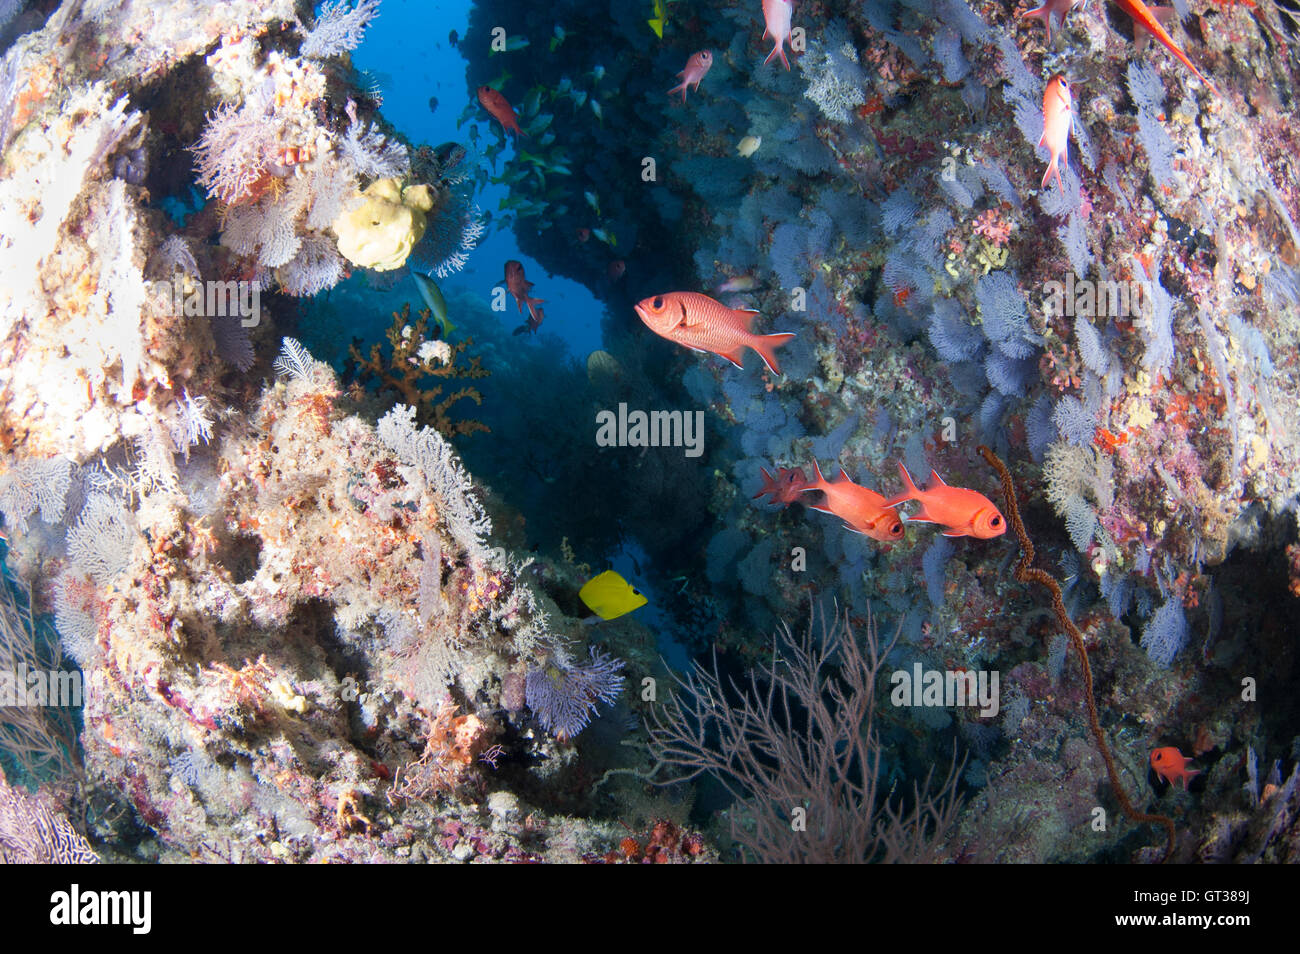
[
  {"x": 1052, "y": 167},
  {"x": 766, "y": 346},
  {"x": 778, "y": 50},
  {"x": 909, "y": 489},
  {"x": 679, "y": 88},
  {"x": 769, "y": 485}
]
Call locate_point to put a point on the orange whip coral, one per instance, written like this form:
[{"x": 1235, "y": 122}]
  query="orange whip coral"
[{"x": 1025, "y": 572}]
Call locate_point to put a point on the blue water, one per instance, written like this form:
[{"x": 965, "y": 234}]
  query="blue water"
[{"x": 410, "y": 69}]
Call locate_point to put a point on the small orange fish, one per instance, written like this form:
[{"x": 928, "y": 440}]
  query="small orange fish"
[
  {"x": 861, "y": 508},
  {"x": 1170, "y": 765},
  {"x": 1058, "y": 115},
  {"x": 521, "y": 289},
  {"x": 702, "y": 323},
  {"x": 963, "y": 512},
  {"x": 500, "y": 108},
  {"x": 616, "y": 269},
  {"x": 696, "y": 67},
  {"x": 1144, "y": 18},
  {"x": 776, "y": 23}
]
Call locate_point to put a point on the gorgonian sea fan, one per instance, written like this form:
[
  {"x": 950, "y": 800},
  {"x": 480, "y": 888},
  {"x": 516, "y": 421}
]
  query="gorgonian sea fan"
[{"x": 565, "y": 699}]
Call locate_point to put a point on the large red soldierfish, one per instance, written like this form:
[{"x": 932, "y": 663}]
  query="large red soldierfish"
[
  {"x": 776, "y": 20},
  {"x": 962, "y": 512},
  {"x": 1058, "y": 115},
  {"x": 500, "y": 107},
  {"x": 1144, "y": 18},
  {"x": 696, "y": 67},
  {"x": 521, "y": 288},
  {"x": 861, "y": 508},
  {"x": 704, "y": 324}
]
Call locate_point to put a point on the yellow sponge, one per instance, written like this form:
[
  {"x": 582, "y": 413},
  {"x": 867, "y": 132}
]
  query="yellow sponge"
[{"x": 380, "y": 232}]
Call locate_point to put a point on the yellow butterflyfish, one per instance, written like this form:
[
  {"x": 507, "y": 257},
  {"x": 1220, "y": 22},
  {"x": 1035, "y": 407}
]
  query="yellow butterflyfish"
[{"x": 610, "y": 596}]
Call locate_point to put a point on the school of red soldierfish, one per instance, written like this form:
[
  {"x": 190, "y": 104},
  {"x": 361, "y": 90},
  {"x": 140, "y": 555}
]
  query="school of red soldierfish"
[
  {"x": 959, "y": 511},
  {"x": 704, "y": 324}
]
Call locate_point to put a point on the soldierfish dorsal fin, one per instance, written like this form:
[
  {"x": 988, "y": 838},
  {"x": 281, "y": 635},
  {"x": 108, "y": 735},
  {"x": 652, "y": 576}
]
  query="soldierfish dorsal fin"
[
  {"x": 935, "y": 480},
  {"x": 746, "y": 316},
  {"x": 844, "y": 476}
]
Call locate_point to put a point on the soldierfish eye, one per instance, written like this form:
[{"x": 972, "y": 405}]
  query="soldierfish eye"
[
  {"x": 896, "y": 528},
  {"x": 996, "y": 521},
  {"x": 658, "y": 303}
]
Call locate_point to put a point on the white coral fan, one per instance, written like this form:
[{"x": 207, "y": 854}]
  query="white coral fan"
[{"x": 834, "y": 80}]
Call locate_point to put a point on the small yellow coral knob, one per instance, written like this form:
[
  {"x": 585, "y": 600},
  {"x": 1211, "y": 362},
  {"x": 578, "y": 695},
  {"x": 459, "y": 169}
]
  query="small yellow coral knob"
[{"x": 380, "y": 232}]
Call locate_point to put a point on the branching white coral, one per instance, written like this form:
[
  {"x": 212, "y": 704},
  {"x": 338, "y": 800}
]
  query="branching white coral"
[
  {"x": 437, "y": 464},
  {"x": 317, "y": 267},
  {"x": 835, "y": 82},
  {"x": 190, "y": 422},
  {"x": 339, "y": 28},
  {"x": 31, "y": 485},
  {"x": 101, "y": 541},
  {"x": 372, "y": 155},
  {"x": 295, "y": 361},
  {"x": 235, "y": 146}
]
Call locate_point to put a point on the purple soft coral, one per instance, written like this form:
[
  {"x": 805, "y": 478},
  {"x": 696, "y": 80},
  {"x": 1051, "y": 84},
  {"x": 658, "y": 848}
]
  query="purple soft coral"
[{"x": 565, "y": 699}]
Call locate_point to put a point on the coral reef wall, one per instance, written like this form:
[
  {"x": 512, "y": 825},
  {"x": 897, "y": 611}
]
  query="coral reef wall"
[{"x": 1127, "y": 336}]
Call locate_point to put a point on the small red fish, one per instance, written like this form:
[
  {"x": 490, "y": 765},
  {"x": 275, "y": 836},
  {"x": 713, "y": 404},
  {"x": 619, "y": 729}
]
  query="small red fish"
[
  {"x": 582, "y": 234},
  {"x": 785, "y": 487},
  {"x": 616, "y": 269},
  {"x": 963, "y": 512},
  {"x": 1058, "y": 115},
  {"x": 1144, "y": 18},
  {"x": 1050, "y": 9},
  {"x": 696, "y": 67},
  {"x": 1170, "y": 765},
  {"x": 500, "y": 108},
  {"x": 861, "y": 508},
  {"x": 776, "y": 23},
  {"x": 520, "y": 288},
  {"x": 702, "y": 323}
]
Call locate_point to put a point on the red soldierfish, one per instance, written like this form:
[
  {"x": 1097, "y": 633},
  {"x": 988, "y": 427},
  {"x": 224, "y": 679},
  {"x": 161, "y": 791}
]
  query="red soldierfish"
[
  {"x": 862, "y": 509},
  {"x": 785, "y": 487},
  {"x": 1170, "y": 765},
  {"x": 965, "y": 513},
  {"x": 776, "y": 20},
  {"x": 520, "y": 287},
  {"x": 696, "y": 67},
  {"x": 704, "y": 324},
  {"x": 500, "y": 108},
  {"x": 1058, "y": 115},
  {"x": 1144, "y": 18}
]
